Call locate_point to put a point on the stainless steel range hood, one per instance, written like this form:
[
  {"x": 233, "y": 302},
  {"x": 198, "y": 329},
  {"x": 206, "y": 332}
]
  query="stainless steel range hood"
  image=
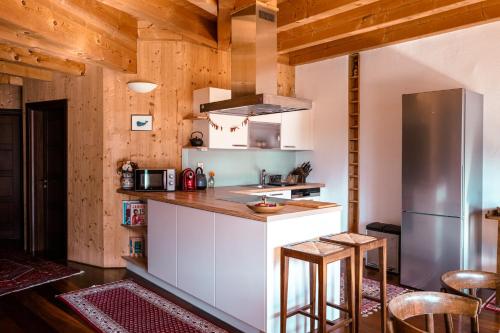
[{"x": 254, "y": 57}]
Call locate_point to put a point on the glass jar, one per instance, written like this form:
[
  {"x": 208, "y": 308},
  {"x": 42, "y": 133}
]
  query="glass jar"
[
  {"x": 211, "y": 182},
  {"x": 127, "y": 181}
]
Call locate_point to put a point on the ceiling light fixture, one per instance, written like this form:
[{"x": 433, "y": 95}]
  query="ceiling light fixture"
[{"x": 142, "y": 87}]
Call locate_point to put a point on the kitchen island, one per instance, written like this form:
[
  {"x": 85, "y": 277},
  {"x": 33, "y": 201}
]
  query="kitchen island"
[{"x": 217, "y": 254}]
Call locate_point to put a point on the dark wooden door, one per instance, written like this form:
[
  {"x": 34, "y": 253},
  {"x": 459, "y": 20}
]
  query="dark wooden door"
[
  {"x": 11, "y": 211},
  {"x": 48, "y": 164}
]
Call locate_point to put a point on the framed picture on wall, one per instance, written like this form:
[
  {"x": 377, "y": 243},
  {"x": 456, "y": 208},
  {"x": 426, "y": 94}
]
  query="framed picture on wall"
[{"x": 141, "y": 122}]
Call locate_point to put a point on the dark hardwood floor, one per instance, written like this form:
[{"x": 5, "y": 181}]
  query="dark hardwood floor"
[{"x": 37, "y": 310}]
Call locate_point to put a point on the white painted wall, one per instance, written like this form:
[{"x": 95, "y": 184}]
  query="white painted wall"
[
  {"x": 325, "y": 84},
  {"x": 468, "y": 58}
]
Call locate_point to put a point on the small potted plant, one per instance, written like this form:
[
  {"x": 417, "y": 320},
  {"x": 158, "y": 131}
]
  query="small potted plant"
[{"x": 126, "y": 170}]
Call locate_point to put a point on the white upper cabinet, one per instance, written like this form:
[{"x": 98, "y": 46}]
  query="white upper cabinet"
[
  {"x": 295, "y": 127},
  {"x": 223, "y": 138},
  {"x": 274, "y": 118},
  {"x": 297, "y": 130}
]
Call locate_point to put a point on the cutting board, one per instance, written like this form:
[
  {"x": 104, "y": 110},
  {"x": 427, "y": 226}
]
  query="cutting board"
[{"x": 311, "y": 204}]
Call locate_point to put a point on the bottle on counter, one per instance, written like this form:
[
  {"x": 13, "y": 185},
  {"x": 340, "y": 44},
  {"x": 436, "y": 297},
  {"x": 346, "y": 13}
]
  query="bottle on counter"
[{"x": 211, "y": 179}]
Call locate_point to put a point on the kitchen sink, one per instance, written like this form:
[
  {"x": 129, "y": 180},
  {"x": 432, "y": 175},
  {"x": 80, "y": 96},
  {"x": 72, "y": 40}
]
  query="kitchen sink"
[
  {"x": 245, "y": 199},
  {"x": 259, "y": 186}
]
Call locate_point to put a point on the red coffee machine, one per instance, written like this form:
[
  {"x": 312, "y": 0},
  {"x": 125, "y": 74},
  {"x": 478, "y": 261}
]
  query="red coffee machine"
[{"x": 188, "y": 180}]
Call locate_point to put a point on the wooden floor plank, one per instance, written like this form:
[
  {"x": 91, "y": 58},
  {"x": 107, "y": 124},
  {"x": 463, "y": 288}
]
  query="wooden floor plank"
[
  {"x": 9, "y": 325},
  {"x": 53, "y": 315}
]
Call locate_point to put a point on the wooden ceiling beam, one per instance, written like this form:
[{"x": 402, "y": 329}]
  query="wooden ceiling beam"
[
  {"x": 52, "y": 24},
  {"x": 210, "y": 6},
  {"x": 149, "y": 31},
  {"x": 11, "y": 80},
  {"x": 480, "y": 13},
  {"x": 114, "y": 22},
  {"x": 34, "y": 58},
  {"x": 294, "y": 13},
  {"x": 170, "y": 15},
  {"x": 25, "y": 71},
  {"x": 18, "y": 37},
  {"x": 226, "y": 7},
  {"x": 368, "y": 18}
]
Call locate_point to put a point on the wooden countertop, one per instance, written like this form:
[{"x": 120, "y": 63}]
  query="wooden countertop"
[
  {"x": 210, "y": 200},
  {"x": 491, "y": 216}
]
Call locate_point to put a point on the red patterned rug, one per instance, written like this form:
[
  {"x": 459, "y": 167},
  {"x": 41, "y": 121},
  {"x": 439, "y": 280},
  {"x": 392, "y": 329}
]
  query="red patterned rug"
[
  {"x": 126, "y": 307},
  {"x": 19, "y": 272},
  {"x": 371, "y": 288},
  {"x": 492, "y": 306}
]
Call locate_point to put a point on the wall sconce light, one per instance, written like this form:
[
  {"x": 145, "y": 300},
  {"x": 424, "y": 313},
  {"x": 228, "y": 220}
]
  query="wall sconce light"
[{"x": 141, "y": 86}]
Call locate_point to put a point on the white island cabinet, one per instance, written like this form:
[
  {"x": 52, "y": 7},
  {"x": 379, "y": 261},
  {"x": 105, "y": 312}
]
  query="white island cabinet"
[
  {"x": 162, "y": 241},
  {"x": 240, "y": 275},
  {"x": 229, "y": 266},
  {"x": 196, "y": 253}
]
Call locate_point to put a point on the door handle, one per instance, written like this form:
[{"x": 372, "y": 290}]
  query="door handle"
[
  {"x": 45, "y": 183},
  {"x": 235, "y": 145},
  {"x": 289, "y": 146}
]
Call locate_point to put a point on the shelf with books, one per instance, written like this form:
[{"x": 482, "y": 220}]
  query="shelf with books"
[
  {"x": 134, "y": 220},
  {"x": 139, "y": 261},
  {"x": 133, "y": 213},
  {"x": 136, "y": 227}
]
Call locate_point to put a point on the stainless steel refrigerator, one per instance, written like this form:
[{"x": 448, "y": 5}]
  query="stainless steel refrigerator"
[{"x": 442, "y": 185}]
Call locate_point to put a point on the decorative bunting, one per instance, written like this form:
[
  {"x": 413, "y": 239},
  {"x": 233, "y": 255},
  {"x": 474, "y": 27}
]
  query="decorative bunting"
[{"x": 231, "y": 129}]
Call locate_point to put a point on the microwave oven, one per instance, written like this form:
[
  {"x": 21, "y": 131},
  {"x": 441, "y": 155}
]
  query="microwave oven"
[{"x": 154, "y": 180}]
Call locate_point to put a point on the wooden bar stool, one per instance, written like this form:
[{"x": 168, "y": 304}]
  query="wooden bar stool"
[
  {"x": 321, "y": 254},
  {"x": 362, "y": 244},
  {"x": 429, "y": 303}
]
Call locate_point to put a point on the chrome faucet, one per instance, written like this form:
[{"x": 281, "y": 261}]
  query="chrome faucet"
[{"x": 263, "y": 175}]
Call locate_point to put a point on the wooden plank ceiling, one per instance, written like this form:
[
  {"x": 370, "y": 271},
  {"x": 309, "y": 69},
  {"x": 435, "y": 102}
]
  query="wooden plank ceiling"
[{"x": 63, "y": 35}]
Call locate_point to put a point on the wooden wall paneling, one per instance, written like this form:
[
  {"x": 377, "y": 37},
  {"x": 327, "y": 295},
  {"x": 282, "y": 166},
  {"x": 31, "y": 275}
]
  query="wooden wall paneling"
[
  {"x": 286, "y": 80},
  {"x": 85, "y": 142},
  {"x": 10, "y": 97},
  {"x": 178, "y": 67}
]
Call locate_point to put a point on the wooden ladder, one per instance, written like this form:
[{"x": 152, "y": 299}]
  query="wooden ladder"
[{"x": 353, "y": 144}]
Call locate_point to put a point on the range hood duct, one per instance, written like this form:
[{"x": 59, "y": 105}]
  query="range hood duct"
[{"x": 254, "y": 58}]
